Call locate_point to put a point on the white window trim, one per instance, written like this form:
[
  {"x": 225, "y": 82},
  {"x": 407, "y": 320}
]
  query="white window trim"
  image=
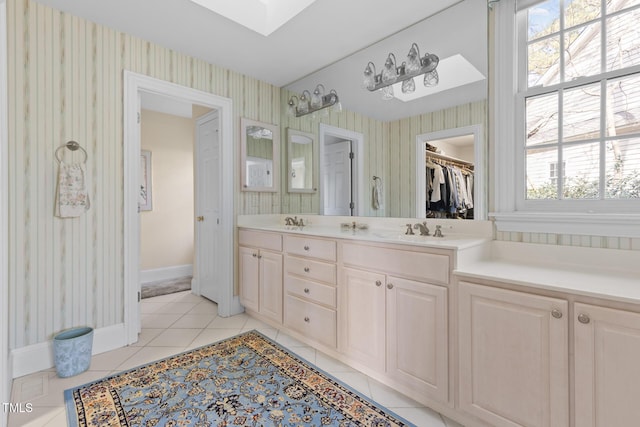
[{"x": 507, "y": 215}]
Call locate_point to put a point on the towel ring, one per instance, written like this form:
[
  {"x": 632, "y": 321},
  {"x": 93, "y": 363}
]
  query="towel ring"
[{"x": 73, "y": 146}]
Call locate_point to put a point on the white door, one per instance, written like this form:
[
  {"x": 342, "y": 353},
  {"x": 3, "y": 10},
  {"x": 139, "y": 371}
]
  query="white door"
[
  {"x": 207, "y": 206},
  {"x": 336, "y": 179}
]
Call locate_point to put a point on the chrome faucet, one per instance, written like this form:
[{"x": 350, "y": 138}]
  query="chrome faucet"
[
  {"x": 424, "y": 231},
  {"x": 409, "y": 230},
  {"x": 294, "y": 221}
]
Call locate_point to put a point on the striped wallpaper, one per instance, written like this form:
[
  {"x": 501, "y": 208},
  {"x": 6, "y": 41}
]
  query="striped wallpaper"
[{"x": 65, "y": 82}]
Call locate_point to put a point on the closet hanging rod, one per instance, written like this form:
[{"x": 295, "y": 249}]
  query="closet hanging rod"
[{"x": 435, "y": 156}]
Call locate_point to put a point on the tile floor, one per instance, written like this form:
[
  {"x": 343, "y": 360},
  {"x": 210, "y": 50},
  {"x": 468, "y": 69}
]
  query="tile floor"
[{"x": 177, "y": 322}]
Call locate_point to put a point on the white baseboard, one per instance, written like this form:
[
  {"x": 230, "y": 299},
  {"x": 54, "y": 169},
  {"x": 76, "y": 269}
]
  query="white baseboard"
[
  {"x": 166, "y": 273},
  {"x": 36, "y": 357}
]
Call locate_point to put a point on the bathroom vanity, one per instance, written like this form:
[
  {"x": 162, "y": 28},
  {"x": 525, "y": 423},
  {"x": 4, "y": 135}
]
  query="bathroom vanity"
[{"x": 488, "y": 333}]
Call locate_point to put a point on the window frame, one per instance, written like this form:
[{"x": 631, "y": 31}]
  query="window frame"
[{"x": 512, "y": 211}]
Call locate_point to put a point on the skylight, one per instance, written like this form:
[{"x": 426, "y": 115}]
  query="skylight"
[
  {"x": 261, "y": 16},
  {"x": 454, "y": 71}
]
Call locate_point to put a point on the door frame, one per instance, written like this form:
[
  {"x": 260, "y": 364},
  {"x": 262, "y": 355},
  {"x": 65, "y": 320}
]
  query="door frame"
[
  {"x": 6, "y": 374},
  {"x": 134, "y": 84},
  {"x": 357, "y": 172},
  {"x": 479, "y": 183}
]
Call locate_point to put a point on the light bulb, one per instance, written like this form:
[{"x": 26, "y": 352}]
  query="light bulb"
[
  {"x": 369, "y": 80},
  {"x": 413, "y": 59},
  {"x": 387, "y": 93},
  {"x": 431, "y": 79},
  {"x": 316, "y": 98},
  {"x": 408, "y": 86},
  {"x": 291, "y": 107},
  {"x": 389, "y": 73}
]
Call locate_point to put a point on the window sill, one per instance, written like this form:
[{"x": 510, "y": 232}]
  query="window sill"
[{"x": 588, "y": 224}]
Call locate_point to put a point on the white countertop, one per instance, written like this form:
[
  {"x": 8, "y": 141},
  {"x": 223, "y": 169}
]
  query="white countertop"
[
  {"x": 601, "y": 273},
  {"x": 383, "y": 230}
]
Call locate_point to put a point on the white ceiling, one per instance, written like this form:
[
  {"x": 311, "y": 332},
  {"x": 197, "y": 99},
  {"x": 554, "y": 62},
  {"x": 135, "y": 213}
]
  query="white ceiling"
[{"x": 328, "y": 42}]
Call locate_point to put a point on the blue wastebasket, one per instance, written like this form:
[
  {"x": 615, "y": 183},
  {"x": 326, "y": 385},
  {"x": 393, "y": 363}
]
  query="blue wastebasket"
[{"x": 72, "y": 351}]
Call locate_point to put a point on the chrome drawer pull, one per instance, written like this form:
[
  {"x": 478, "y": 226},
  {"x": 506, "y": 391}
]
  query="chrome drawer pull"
[
  {"x": 306, "y": 269},
  {"x": 255, "y": 255},
  {"x": 306, "y": 248},
  {"x": 556, "y": 313},
  {"x": 306, "y": 319},
  {"x": 378, "y": 283},
  {"x": 389, "y": 285},
  {"x": 306, "y": 290}
]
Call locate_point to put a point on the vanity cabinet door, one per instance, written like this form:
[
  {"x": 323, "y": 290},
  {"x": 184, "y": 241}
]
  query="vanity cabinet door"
[
  {"x": 362, "y": 307},
  {"x": 261, "y": 281},
  {"x": 513, "y": 350},
  {"x": 249, "y": 277},
  {"x": 607, "y": 357},
  {"x": 417, "y": 337},
  {"x": 271, "y": 285}
]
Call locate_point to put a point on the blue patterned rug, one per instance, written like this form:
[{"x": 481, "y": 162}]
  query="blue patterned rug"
[{"x": 246, "y": 380}]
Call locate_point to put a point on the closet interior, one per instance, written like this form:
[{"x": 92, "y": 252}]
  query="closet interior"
[{"x": 450, "y": 184}]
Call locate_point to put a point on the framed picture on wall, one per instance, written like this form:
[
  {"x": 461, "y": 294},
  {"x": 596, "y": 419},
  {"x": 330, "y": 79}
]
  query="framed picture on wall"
[{"x": 144, "y": 199}]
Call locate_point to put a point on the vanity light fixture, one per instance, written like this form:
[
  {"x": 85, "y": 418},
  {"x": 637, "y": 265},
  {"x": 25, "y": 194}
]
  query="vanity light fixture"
[
  {"x": 311, "y": 103},
  {"x": 405, "y": 73}
]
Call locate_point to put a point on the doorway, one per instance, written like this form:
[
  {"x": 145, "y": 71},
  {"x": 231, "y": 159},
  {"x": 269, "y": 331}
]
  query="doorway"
[
  {"x": 135, "y": 84},
  {"x": 341, "y": 187},
  {"x": 474, "y": 134}
]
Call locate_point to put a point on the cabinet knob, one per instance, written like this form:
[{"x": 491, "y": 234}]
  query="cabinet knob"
[
  {"x": 556, "y": 313},
  {"x": 306, "y": 269},
  {"x": 259, "y": 256},
  {"x": 584, "y": 318},
  {"x": 306, "y": 319},
  {"x": 378, "y": 283},
  {"x": 200, "y": 218},
  {"x": 306, "y": 248},
  {"x": 389, "y": 285},
  {"x": 306, "y": 290},
  {"x": 255, "y": 255}
]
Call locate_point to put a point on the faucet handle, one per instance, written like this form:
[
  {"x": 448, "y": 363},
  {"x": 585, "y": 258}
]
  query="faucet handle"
[
  {"x": 409, "y": 230},
  {"x": 438, "y": 232},
  {"x": 300, "y": 223}
]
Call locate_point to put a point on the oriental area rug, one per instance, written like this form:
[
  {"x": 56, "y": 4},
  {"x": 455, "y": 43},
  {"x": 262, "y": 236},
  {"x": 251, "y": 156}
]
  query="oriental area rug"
[{"x": 246, "y": 380}]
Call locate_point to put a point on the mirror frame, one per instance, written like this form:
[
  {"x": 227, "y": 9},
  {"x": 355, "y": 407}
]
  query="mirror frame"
[
  {"x": 275, "y": 130},
  {"x": 314, "y": 161}
]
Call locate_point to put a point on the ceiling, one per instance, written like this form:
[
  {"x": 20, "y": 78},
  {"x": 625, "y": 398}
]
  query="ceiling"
[{"x": 328, "y": 42}]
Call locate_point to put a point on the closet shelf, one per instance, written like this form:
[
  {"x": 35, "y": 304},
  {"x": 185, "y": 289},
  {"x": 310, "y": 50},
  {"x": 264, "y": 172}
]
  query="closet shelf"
[{"x": 430, "y": 155}]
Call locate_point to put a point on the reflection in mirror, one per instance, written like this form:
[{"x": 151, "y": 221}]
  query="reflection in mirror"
[
  {"x": 446, "y": 168},
  {"x": 259, "y": 155},
  {"x": 458, "y": 35},
  {"x": 301, "y": 156}
]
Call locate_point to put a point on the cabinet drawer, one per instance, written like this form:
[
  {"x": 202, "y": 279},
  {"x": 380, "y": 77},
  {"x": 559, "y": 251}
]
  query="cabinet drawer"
[
  {"x": 260, "y": 239},
  {"x": 310, "y": 247},
  {"x": 433, "y": 268},
  {"x": 311, "y": 320},
  {"x": 307, "y": 268},
  {"x": 313, "y": 291}
]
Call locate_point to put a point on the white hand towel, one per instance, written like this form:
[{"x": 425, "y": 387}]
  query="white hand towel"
[
  {"x": 377, "y": 196},
  {"x": 72, "y": 198}
]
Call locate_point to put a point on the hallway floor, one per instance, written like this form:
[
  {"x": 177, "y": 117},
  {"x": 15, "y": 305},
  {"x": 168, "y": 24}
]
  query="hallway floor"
[{"x": 178, "y": 322}]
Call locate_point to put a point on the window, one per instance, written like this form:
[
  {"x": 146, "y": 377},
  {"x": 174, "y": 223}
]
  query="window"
[{"x": 570, "y": 85}]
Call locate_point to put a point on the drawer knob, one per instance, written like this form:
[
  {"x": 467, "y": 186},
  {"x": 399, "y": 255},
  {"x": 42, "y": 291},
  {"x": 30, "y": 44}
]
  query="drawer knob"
[
  {"x": 306, "y": 248},
  {"x": 556, "y": 313},
  {"x": 306, "y": 269},
  {"x": 583, "y": 318},
  {"x": 306, "y": 290},
  {"x": 306, "y": 319},
  {"x": 259, "y": 256},
  {"x": 389, "y": 285},
  {"x": 255, "y": 255},
  {"x": 378, "y": 283}
]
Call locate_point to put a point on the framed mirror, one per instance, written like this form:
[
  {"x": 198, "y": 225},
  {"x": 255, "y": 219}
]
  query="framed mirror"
[
  {"x": 301, "y": 157},
  {"x": 259, "y": 156}
]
